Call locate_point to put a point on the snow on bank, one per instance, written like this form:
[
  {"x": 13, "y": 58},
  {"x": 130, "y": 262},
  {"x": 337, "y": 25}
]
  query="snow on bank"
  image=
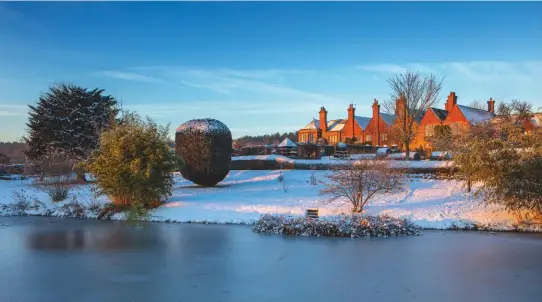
[
  {"x": 247, "y": 194},
  {"x": 329, "y": 160}
]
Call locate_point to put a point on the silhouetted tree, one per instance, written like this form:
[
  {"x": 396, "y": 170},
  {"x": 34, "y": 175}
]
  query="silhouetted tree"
[{"x": 68, "y": 120}]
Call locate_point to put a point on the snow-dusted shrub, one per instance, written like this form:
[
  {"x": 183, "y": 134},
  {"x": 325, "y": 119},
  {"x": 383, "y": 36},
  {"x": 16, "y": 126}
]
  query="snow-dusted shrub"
[
  {"x": 57, "y": 187},
  {"x": 206, "y": 147},
  {"x": 23, "y": 204},
  {"x": 134, "y": 164},
  {"x": 344, "y": 226}
]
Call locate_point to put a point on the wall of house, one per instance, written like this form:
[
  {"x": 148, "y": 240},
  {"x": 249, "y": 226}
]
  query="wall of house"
[
  {"x": 310, "y": 134},
  {"x": 332, "y": 137},
  {"x": 456, "y": 120},
  {"x": 372, "y": 129},
  {"x": 429, "y": 119},
  {"x": 352, "y": 129}
]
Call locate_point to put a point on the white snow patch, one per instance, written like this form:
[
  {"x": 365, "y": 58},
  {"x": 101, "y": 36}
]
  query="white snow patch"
[{"x": 245, "y": 195}]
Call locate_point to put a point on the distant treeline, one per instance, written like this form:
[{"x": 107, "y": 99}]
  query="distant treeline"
[
  {"x": 13, "y": 150},
  {"x": 266, "y": 139}
]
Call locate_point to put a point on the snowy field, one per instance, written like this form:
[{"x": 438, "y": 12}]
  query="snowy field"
[
  {"x": 329, "y": 160},
  {"x": 245, "y": 195}
]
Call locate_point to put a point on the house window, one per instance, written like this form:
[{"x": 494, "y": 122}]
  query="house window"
[
  {"x": 384, "y": 136},
  {"x": 429, "y": 130},
  {"x": 369, "y": 138},
  {"x": 333, "y": 139},
  {"x": 311, "y": 138}
]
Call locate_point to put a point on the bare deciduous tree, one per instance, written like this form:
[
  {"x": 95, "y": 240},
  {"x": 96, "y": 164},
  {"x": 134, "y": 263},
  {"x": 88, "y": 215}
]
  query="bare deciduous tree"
[
  {"x": 358, "y": 182},
  {"x": 477, "y": 105},
  {"x": 419, "y": 93}
]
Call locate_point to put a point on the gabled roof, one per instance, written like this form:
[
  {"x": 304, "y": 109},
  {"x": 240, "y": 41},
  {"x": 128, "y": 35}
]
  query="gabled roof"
[
  {"x": 475, "y": 116},
  {"x": 388, "y": 118},
  {"x": 440, "y": 113},
  {"x": 287, "y": 143},
  {"x": 332, "y": 125},
  {"x": 336, "y": 125},
  {"x": 314, "y": 124},
  {"x": 362, "y": 121}
]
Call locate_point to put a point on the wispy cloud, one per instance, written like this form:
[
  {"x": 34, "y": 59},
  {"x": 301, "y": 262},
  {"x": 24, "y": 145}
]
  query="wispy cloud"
[
  {"x": 13, "y": 110},
  {"x": 478, "y": 71},
  {"x": 383, "y": 68},
  {"x": 477, "y": 79},
  {"x": 129, "y": 76}
]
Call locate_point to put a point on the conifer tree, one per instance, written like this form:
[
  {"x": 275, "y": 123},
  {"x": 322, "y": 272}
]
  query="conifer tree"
[{"x": 67, "y": 121}]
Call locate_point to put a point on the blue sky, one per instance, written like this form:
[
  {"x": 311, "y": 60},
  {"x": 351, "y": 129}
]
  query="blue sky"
[{"x": 263, "y": 67}]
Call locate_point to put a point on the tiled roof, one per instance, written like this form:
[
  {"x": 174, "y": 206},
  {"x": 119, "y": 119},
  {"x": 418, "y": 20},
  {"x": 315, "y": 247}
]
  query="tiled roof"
[
  {"x": 440, "y": 113},
  {"x": 332, "y": 125},
  {"x": 474, "y": 115},
  {"x": 362, "y": 121},
  {"x": 388, "y": 118}
]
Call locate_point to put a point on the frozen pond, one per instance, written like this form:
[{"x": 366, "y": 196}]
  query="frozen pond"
[{"x": 49, "y": 259}]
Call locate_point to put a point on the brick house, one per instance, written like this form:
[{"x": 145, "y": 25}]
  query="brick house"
[
  {"x": 379, "y": 127},
  {"x": 458, "y": 117},
  {"x": 376, "y": 129},
  {"x": 334, "y": 131}
]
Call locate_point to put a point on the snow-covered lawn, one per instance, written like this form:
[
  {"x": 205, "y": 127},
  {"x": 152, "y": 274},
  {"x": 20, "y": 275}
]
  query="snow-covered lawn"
[
  {"x": 245, "y": 195},
  {"x": 329, "y": 160}
]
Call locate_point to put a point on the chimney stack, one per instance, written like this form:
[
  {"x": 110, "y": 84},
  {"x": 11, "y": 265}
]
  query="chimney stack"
[
  {"x": 491, "y": 105},
  {"x": 376, "y": 118},
  {"x": 400, "y": 104},
  {"x": 451, "y": 101},
  {"x": 323, "y": 119}
]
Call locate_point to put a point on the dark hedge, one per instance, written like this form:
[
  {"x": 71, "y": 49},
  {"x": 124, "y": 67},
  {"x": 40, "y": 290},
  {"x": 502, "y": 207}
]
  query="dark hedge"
[{"x": 206, "y": 147}]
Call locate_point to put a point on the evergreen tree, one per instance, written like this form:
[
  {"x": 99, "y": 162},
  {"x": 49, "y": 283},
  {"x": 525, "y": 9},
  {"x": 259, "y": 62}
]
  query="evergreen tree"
[{"x": 68, "y": 120}]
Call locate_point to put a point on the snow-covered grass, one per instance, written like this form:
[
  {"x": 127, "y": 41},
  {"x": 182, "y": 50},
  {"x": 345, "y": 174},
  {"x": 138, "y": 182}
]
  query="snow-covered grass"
[
  {"x": 331, "y": 161},
  {"x": 245, "y": 195}
]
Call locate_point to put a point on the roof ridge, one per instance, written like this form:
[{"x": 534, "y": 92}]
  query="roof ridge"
[{"x": 473, "y": 108}]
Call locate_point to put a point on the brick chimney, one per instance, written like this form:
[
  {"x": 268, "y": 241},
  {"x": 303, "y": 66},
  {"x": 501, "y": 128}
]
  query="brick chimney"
[
  {"x": 351, "y": 114},
  {"x": 376, "y": 119},
  {"x": 400, "y": 104},
  {"x": 323, "y": 119},
  {"x": 451, "y": 101},
  {"x": 491, "y": 105}
]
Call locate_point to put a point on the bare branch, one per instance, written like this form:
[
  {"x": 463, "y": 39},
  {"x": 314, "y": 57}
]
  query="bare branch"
[
  {"x": 418, "y": 94},
  {"x": 358, "y": 182}
]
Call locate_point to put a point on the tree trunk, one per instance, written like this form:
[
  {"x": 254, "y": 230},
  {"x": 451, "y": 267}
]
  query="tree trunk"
[
  {"x": 469, "y": 184},
  {"x": 81, "y": 177},
  {"x": 407, "y": 149}
]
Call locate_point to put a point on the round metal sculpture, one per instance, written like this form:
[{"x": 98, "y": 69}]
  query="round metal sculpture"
[{"x": 206, "y": 147}]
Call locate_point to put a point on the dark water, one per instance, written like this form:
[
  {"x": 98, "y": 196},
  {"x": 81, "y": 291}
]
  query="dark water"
[{"x": 58, "y": 260}]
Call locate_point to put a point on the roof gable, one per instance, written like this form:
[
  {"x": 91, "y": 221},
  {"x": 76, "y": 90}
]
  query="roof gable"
[
  {"x": 313, "y": 125},
  {"x": 336, "y": 125},
  {"x": 388, "y": 118},
  {"x": 440, "y": 113},
  {"x": 362, "y": 121}
]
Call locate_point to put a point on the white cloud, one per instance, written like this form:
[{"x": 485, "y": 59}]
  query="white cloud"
[
  {"x": 383, "y": 68},
  {"x": 13, "y": 110},
  {"x": 479, "y": 80},
  {"x": 130, "y": 76}
]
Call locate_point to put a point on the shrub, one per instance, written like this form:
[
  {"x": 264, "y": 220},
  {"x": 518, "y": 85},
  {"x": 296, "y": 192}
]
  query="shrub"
[
  {"x": 343, "y": 226},
  {"x": 133, "y": 164},
  {"x": 206, "y": 147},
  {"x": 359, "y": 182},
  {"x": 57, "y": 187}
]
